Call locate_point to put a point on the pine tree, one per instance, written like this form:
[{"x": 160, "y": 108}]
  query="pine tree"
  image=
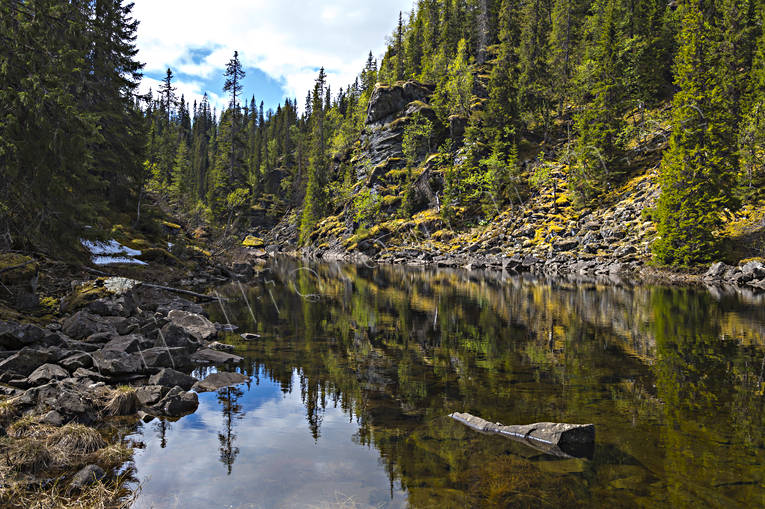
[
  {"x": 314, "y": 202},
  {"x": 598, "y": 152},
  {"x": 502, "y": 113},
  {"x": 567, "y": 18},
  {"x": 534, "y": 80},
  {"x": 752, "y": 132},
  {"x": 698, "y": 169},
  {"x": 181, "y": 179},
  {"x": 400, "y": 48},
  {"x": 167, "y": 93},
  {"x": 233, "y": 85}
]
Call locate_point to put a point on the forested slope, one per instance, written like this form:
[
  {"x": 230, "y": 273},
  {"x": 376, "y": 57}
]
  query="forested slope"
[{"x": 526, "y": 119}]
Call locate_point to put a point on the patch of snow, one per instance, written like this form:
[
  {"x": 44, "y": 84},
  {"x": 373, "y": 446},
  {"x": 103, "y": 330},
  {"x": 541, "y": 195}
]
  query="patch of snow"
[
  {"x": 108, "y": 260},
  {"x": 105, "y": 253}
]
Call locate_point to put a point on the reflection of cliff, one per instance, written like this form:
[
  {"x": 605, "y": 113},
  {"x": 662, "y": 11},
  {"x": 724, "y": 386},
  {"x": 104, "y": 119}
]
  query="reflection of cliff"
[{"x": 398, "y": 349}]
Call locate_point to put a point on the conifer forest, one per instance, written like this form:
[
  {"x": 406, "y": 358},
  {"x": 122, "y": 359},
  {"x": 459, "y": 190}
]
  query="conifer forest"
[{"x": 545, "y": 211}]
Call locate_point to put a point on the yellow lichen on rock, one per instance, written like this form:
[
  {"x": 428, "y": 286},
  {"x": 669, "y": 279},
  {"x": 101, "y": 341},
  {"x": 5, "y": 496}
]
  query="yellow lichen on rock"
[{"x": 253, "y": 241}]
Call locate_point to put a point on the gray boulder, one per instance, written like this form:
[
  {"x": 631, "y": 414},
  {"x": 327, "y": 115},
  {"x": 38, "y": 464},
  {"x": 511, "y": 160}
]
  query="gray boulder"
[
  {"x": 46, "y": 373},
  {"x": 162, "y": 357},
  {"x": 207, "y": 356},
  {"x": 24, "y": 361},
  {"x": 716, "y": 271},
  {"x": 194, "y": 324},
  {"x": 78, "y": 360},
  {"x": 113, "y": 362},
  {"x": 149, "y": 395},
  {"x": 219, "y": 380},
  {"x": 83, "y": 324},
  {"x": 128, "y": 344},
  {"x": 172, "y": 335},
  {"x": 88, "y": 476},
  {"x": 171, "y": 378},
  {"x": 178, "y": 402},
  {"x": 755, "y": 269},
  {"x": 14, "y": 336}
]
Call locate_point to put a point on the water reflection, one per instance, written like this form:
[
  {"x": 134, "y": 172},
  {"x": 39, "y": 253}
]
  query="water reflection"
[{"x": 357, "y": 368}]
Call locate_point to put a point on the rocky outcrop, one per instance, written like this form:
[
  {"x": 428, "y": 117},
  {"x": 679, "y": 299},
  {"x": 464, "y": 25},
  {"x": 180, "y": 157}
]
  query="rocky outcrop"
[
  {"x": 390, "y": 108},
  {"x": 388, "y": 101}
]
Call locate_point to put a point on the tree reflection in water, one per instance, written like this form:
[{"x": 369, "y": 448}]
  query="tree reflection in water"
[
  {"x": 670, "y": 377},
  {"x": 232, "y": 411}
]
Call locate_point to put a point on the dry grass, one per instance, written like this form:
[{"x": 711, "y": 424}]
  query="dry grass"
[
  {"x": 122, "y": 402},
  {"x": 28, "y": 456},
  {"x": 112, "y": 494},
  {"x": 42, "y": 451},
  {"x": 28, "y": 427},
  {"x": 74, "y": 441},
  {"x": 111, "y": 457},
  {"x": 9, "y": 411}
]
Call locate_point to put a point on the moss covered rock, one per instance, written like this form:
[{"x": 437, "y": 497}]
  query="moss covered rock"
[
  {"x": 252, "y": 241},
  {"x": 22, "y": 274}
]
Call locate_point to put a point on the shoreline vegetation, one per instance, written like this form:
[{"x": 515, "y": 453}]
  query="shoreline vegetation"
[{"x": 596, "y": 140}]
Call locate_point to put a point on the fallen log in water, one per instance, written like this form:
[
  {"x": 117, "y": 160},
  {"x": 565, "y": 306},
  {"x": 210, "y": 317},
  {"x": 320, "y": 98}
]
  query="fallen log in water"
[{"x": 559, "y": 439}]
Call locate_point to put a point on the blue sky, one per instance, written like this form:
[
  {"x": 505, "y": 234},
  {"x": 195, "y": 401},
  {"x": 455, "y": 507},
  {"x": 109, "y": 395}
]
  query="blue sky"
[{"x": 281, "y": 43}]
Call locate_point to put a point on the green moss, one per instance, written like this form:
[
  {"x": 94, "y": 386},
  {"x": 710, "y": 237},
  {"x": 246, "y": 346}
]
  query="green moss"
[
  {"x": 171, "y": 226},
  {"x": 388, "y": 201},
  {"x": 252, "y": 241},
  {"x": 20, "y": 275},
  {"x": 83, "y": 294}
]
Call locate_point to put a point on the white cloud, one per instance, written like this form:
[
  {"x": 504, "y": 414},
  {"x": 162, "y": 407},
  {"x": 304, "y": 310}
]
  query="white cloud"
[{"x": 289, "y": 40}]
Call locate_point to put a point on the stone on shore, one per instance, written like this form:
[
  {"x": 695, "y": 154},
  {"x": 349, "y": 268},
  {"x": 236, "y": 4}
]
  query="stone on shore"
[{"x": 219, "y": 380}]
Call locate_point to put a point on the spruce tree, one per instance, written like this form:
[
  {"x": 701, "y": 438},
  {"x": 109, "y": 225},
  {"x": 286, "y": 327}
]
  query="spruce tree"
[
  {"x": 752, "y": 131},
  {"x": 699, "y": 167},
  {"x": 233, "y": 85},
  {"x": 534, "y": 85},
  {"x": 314, "y": 202},
  {"x": 598, "y": 152}
]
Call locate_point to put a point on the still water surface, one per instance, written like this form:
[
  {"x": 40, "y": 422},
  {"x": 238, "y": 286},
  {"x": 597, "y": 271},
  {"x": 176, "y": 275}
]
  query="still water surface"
[{"x": 357, "y": 369}]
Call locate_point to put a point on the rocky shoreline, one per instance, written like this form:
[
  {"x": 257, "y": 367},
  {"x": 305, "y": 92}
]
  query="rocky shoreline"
[{"x": 122, "y": 350}]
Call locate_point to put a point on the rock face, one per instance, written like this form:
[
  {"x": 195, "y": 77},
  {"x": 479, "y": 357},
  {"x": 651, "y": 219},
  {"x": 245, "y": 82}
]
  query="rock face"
[
  {"x": 390, "y": 108},
  {"x": 220, "y": 380}
]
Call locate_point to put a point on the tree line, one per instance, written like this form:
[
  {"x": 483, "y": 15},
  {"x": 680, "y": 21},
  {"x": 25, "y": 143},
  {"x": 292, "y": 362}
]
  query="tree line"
[{"x": 518, "y": 75}]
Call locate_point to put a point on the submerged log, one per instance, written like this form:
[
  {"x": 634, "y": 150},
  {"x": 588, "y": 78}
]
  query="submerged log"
[{"x": 559, "y": 439}]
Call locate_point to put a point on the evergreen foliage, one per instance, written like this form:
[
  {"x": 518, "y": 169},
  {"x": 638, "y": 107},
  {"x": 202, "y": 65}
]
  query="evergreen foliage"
[
  {"x": 512, "y": 79},
  {"x": 699, "y": 168}
]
